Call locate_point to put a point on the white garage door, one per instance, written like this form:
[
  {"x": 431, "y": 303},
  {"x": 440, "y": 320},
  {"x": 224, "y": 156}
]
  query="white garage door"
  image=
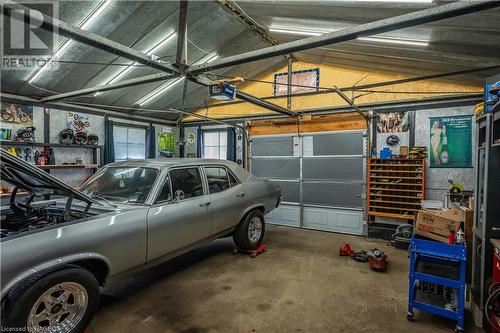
[{"x": 321, "y": 176}]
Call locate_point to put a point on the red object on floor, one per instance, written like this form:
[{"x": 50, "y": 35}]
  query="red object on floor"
[
  {"x": 253, "y": 253},
  {"x": 378, "y": 264},
  {"x": 346, "y": 251}
]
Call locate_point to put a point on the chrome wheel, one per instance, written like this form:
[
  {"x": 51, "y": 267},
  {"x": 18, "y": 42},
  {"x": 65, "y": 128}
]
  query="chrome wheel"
[
  {"x": 59, "y": 309},
  {"x": 255, "y": 229}
]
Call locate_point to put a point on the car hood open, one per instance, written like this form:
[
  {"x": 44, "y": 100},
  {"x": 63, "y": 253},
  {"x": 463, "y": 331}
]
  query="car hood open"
[{"x": 32, "y": 179}]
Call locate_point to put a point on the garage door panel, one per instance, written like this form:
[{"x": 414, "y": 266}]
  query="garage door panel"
[
  {"x": 341, "y": 168},
  {"x": 272, "y": 146},
  {"x": 332, "y": 219},
  {"x": 339, "y": 143},
  {"x": 284, "y": 215},
  {"x": 321, "y": 175},
  {"x": 287, "y": 168},
  {"x": 333, "y": 194},
  {"x": 289, "y": 190}
]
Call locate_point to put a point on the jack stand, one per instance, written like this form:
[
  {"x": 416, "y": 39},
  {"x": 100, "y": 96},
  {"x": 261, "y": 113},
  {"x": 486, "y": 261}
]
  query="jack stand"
[{"x": 253, "y": 253}]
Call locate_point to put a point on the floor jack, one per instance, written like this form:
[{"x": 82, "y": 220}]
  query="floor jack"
[{"x": 253, "y": 253}]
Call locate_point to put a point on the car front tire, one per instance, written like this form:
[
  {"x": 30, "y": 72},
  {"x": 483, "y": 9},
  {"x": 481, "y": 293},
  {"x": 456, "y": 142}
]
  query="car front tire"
[
  {"x": 250, "y": 232},
  {"x": 58, "y": 301}
]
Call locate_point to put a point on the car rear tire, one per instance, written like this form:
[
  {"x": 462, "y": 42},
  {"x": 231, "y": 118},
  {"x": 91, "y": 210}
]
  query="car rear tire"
[
  {"x": 250, "y": 232},
  {"x": 62, "y": 301}
]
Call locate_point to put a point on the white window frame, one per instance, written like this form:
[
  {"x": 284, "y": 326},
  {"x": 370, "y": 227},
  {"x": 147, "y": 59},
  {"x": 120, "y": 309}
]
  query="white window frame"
[
  {"x": 221, "y": 149},
  {"x": 128, "y": 143}
]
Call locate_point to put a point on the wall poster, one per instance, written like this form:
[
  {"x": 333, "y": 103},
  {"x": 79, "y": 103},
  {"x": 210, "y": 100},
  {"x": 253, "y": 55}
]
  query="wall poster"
[
  {"x": 166, "y": 142},
  {"x": 306, "y": 80},
  {"x": 78, "y": 122},
  {"x": 451, "y": 142},
  {"x": 17, "y": 114},
  {"x": 393, "y": 122}
]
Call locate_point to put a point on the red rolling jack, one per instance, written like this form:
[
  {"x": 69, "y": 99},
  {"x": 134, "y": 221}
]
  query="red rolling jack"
[{"x": 253, "y": 253}]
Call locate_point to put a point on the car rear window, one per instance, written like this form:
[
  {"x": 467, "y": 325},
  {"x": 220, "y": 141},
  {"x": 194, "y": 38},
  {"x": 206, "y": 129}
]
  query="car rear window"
[{"x": 217, "y": 178}]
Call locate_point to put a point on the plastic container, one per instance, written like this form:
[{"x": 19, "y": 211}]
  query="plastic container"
[{"x": 385, "y": 154}]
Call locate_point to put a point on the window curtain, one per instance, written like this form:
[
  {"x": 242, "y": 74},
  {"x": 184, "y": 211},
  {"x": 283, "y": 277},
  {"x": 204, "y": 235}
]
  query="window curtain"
[
  {"x": 199, "y": 142},
  {"x": 151, "y": 142},
  {"x": 231, "y": 143},
  {"x": 109, "y": 144}
]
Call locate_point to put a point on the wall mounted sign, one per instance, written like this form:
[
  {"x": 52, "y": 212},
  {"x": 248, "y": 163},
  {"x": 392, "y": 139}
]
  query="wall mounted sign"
[
  {"x": 191, "y": 138},
  {"x": 392, "y": 140},
  {"x": 17, "y": 114},
  {"x": 450, "y": 142},
  {"x": 306, "y": 80},
  {"x": 393, "y": 122}
]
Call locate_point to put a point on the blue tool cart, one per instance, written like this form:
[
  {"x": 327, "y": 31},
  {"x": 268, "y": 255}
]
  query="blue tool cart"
[{"x": 437, "y": 279}]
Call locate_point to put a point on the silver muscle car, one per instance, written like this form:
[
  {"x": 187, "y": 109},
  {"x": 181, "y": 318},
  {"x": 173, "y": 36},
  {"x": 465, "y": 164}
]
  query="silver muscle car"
[{"x": 59, "y": 244}]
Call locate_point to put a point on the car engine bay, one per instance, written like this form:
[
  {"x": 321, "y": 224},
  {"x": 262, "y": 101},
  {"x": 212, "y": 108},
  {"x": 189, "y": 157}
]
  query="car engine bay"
[{"x": 20, "y": 217}]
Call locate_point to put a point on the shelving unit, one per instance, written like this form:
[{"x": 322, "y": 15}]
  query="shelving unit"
[
  {"x": 42, "y": 144},
  {"x": 93, "y": 166},
  {"x": 56, "y": 166},
  {"x": 395, "y": 187},
  {"x": 486, "y": 208},
  {"x": 495, "y": 128},
  {"x": 96, "y": 151},
  {"x": 437, "y": 279}
]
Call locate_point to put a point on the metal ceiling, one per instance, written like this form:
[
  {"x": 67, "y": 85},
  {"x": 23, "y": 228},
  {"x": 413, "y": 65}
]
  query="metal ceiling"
[
  {"x": 459, "y": 43},
  {"x": 455, "y": 44}
]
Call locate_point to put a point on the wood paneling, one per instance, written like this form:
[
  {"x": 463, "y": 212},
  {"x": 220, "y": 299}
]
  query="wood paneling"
[
  {"x": 341, "y": 77},
  {"x": 317, "y": 123}
]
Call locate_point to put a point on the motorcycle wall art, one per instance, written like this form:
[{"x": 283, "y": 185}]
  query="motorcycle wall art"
[{"x": 17, "y": 113}]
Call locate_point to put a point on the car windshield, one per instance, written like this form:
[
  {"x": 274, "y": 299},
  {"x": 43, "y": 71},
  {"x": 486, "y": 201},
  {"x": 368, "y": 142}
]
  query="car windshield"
[{"x": 129, "y": 185}]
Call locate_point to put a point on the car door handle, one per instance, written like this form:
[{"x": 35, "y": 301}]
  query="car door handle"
[
  {"x": 241, "y": 195},
  {"x": 205, "y": 204}
]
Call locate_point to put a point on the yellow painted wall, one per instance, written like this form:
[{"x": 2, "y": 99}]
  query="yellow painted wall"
[{"x": 341, "y": 77}]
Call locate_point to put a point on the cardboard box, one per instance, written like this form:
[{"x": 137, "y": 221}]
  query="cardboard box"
[
  {"x": 436, "y": 224},
  {"x": 403, "y": 150}
]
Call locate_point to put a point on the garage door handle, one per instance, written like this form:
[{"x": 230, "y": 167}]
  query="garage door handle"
[
  {"x": 205, "y": 204},
  {"x": 241, "y": 195}
]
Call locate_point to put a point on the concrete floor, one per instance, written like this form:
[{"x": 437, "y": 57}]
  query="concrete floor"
[{"x": 299, "y": 285}]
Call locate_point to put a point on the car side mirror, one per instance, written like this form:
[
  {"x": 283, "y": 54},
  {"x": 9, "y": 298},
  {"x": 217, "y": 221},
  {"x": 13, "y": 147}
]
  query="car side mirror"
[{"x": 179, "y": 195}]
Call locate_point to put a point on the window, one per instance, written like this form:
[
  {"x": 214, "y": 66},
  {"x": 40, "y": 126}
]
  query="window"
[
  {"x": 217, "y": 178},
  {"x": 165, "y": 194},
  {"x": 122, "y": 185},
  {"x": 232, "y": 180},
  {"x": 215, "y": 144},
  {"x": 129, "y": 142},
  {"x": 188, "y": 181}
]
